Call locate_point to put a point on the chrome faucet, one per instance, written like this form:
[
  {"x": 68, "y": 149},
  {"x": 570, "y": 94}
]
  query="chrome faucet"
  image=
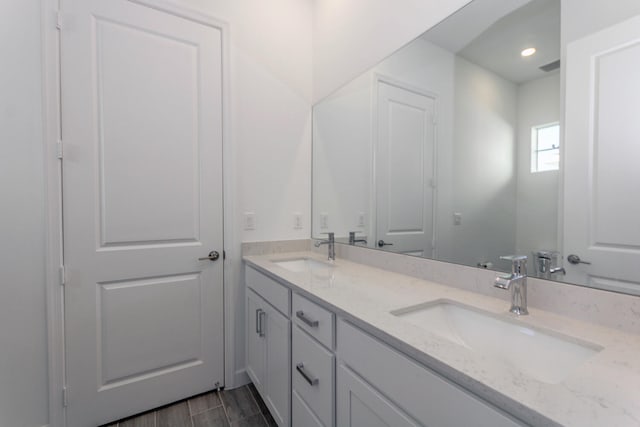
[
  {"x": 353, "y": 240},
  {"x": 517, "y": 282},
  {"x": 331, "y": 245},
  {"x": 544, "y": 262}
]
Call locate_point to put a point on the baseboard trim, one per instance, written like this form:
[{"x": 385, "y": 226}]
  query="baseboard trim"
[{"x": 240, "y": 378}]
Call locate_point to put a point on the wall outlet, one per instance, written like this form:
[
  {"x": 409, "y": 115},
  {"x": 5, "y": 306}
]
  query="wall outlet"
[
  {"x": 360, "y": 222},
  {"x": 457, "y": 218},
  {"x": 297, "y": 221},
  {"x": 324, "y": 220},
  {"x": 249, "y": 221}
]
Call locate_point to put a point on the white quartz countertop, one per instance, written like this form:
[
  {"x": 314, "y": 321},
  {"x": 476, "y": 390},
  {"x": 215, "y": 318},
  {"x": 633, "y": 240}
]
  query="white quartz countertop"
[{"x": 602, "y": 391}]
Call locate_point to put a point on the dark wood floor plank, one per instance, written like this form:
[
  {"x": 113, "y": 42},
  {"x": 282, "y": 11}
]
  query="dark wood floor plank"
[
  {"x": 257, "y": 398},
  {"x": 145, "y": 420},
  {"x": 238, "y": 403},
  {"x": 256, "y": 420},
  {"x": 174, "y": 416},
  {"x": 204, "y": 402},
  {"x": 269, "y": 419},
  {"x": 212, "y": 418}
]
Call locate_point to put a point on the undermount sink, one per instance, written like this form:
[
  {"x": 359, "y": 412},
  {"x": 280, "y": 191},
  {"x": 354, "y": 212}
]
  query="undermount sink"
[
  {"x": 545, "y": 356},
  {"x": 300, "y": 265}
]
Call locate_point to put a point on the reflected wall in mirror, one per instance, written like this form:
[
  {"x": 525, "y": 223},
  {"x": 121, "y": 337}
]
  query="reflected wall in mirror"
[{"x": 451, "y": 149}]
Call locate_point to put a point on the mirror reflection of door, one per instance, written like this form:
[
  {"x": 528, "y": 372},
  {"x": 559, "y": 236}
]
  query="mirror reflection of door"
[
  {"x": 602, "y": 207},
  {"x": 404, "y": 164}
]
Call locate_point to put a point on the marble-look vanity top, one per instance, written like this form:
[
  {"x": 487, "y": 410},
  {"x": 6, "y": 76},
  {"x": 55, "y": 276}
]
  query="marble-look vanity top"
[{"x": 603, "y": 390}]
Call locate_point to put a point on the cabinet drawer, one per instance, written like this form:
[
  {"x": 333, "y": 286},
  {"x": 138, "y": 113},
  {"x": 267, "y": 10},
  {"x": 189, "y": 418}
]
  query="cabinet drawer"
[
  {"x": 301, "y": 414},
  {"x": 422, "y": 394},
  {"x": 312, "y": 371},
  {"x": 315, "y": 320},
  {"x": 273, "y": 292}
]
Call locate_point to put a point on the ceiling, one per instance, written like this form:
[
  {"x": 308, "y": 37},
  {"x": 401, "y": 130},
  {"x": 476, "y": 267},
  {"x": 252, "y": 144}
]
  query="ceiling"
[{"x": 492, "y": 33}]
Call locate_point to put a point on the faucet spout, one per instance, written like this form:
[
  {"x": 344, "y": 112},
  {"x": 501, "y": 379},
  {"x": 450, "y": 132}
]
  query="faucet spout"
[
  {"x": 517, "y": 282},
  {"x": 331, "y": 246}
]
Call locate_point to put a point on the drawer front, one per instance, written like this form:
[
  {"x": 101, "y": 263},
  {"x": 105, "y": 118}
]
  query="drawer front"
[
  {"x": 421, "y": 393},
  {"x": 315, "y": 320},
  {"x": 301, "y": 414},
  {"x": 273, "y": 292},
  {"x": 312, "y": 371}
]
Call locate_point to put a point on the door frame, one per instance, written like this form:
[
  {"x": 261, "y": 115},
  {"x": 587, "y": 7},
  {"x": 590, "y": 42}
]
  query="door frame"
[
  {"x": 51, "y": 95},
  {"x": 378, "y": 78}
]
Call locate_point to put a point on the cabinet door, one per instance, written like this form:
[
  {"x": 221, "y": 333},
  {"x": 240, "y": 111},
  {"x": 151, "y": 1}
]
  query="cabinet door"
[
  {"x": 255, "y": 342},
  {"x": 278, "y": 361},
  {"x": 360, "y": 405}
]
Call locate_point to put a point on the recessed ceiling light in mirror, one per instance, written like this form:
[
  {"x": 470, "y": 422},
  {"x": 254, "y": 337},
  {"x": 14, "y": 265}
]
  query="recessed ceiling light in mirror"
[{"x": 528, "y": 51}]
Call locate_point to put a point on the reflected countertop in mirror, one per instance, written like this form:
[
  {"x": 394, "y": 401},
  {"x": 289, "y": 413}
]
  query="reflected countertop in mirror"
[{"x": 453, "y": 148}]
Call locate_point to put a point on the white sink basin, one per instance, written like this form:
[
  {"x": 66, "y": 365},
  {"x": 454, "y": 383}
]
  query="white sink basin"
[
  {"x": 300, "y": 265},
  {"x": 546, "y": 356}
]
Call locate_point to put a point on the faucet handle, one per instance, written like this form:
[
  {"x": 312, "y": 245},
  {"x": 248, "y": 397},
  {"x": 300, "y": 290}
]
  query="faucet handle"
[
  {"x": 518, "y": 263},
  {"x": 514, "y": 258}
]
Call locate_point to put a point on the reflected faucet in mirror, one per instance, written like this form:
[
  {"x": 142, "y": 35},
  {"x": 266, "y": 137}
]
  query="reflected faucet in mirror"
[
  {"x": 544, "y": 264},
  {"x": 353, "y": 240}
]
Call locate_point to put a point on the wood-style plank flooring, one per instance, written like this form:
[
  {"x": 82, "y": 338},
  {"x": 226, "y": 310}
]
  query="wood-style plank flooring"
[{"x": 241, "y": 407}]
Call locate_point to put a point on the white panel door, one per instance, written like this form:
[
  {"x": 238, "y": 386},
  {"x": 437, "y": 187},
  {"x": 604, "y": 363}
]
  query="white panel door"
[
  {"x": 602, "y": 154},
  {"x": 405, "y": 170},
  {"x": 142, "y": 132}
]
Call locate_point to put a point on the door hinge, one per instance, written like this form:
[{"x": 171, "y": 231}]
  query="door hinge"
[
  {"x": 59, "y": 151},
  {"x": 59, "y": 20},
  {"x": 224, "y": 254},
  {"x": 63, "y": 276},
  {"x": 65, "y": 399}
]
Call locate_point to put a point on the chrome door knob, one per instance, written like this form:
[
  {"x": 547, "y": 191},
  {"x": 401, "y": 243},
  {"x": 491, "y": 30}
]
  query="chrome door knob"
[
  {"x": 213, "y": 255},
  {"x": 382, "y": 243},
  {"x": 575, "y": 259}
]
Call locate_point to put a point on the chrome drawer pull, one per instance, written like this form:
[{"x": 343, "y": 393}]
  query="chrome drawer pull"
[
  {"x": 312, "y": 381},
  {"x": 261, "y": 316},
  {"x": 258, "y": 320},
  {"x": 312, "y": 323}
]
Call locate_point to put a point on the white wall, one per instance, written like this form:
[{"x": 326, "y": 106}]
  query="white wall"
[
  {"x": 484, "y": 176},
  {"x": 342, "y": 158},
  {"x": 343, "y": 136},
  {"x": 23, "y": 340},
  {"x": 583, "y": 17},
  {"x": 476, "y": 112},
  {"x": 271, "y": 79},
  {"x": 537, "y": 220},
  {"x": 350, "y": 36}
]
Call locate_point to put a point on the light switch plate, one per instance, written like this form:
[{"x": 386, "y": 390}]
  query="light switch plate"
[
  {"x": 324, "y": 220},
  {"x": 457, "y": 218},
  {"x": 249, "y": 221},
  {"x": 297, "y": 221}
]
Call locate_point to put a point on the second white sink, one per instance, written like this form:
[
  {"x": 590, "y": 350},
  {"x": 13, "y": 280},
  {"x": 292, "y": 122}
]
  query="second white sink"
[{"x": 545, "y": 356}]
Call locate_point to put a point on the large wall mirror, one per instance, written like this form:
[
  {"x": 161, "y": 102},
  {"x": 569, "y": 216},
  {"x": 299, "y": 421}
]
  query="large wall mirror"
[{"x": 452, "y": 148}]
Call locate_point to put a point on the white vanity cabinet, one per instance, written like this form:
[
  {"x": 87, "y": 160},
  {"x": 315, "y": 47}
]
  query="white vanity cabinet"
[
  {"x": 268, "y": 343},
  {"x": 377, "y": 385},
  {"x": 315, "y": 369}
]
